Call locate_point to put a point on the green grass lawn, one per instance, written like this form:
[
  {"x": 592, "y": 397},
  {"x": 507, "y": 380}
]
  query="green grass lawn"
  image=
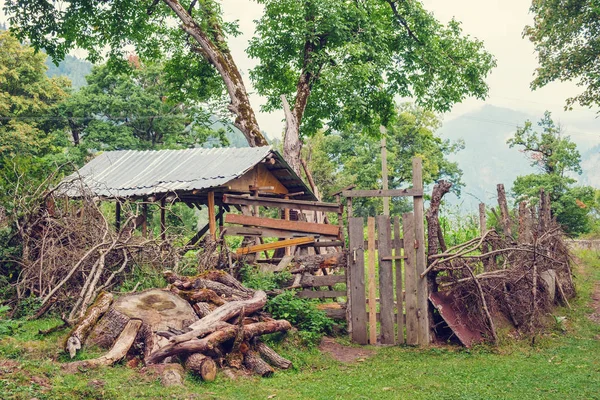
[{"x": 561, "y": 365}]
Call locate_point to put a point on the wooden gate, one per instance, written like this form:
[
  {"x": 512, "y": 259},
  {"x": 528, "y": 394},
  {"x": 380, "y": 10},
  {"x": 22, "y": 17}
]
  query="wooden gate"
[{"x": 388, "y": 301}]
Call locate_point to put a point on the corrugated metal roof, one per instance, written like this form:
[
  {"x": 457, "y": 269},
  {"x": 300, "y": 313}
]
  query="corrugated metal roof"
[{"x": 131, "y": 173}]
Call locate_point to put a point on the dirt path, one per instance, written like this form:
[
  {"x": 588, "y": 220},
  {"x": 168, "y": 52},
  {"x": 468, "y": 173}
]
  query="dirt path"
[{"x": 343, "y": 353}]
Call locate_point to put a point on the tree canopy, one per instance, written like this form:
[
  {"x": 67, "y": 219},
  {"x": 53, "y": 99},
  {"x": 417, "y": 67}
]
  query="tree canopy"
[
  {"x": 566, "y": 35},
  {"x": 558, "y": 160},
  {"x": 133, "y": 109},
  {"x": 351, "y": 157}
]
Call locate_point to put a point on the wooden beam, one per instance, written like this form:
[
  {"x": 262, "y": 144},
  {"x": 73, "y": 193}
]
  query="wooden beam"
[
  {"x": 274, "y": 233},
  {"x": 296, "y": 226},
  {"x": 320, "y": 294},
  {"x": 285, "y": 204},
  {"x": 275, "y": 245},
  {"x": 212, "y": 220},
  {"x": 414, "y": 192}
]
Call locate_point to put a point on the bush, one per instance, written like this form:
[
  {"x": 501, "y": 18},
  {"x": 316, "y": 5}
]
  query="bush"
[
  {"x": 254, "y": 279},
  {"x": 303, "y": 314}
]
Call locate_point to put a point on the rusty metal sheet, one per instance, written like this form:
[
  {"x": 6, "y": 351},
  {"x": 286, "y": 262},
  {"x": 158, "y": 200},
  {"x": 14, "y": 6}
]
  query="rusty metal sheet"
[{"x": 456, "y": 318}]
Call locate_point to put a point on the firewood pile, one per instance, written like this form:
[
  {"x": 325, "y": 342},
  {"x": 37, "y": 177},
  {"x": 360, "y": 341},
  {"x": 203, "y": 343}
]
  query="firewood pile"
[
  {"x": 202, "y": 323},
  {"x": 515, "y": 275}
]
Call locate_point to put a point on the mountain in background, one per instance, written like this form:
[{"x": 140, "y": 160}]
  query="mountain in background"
[
  {"x": 487, "y": 160},
  {"x": 72, "y": 67}
]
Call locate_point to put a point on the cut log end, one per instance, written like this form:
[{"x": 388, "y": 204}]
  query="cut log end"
[
  {"x": 201, "y": 365},
  {"x": 253, "y": 362}
]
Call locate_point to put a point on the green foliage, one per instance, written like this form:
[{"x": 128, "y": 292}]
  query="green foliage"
[
  {"x": 358, "y": 57},
  {"x": 72, "y": 68},
  {"x": 566, "y": 36},
  {"x": 8, "y": 327},
  {"x": 351, "y": 157},
  {"x": 302, "y": 314},
  {"x": 255, "y": 279},
  {"x": 458, "y": 227},
  {"x": 132, "y": 109},
  {"x": 557, "y": 159}
]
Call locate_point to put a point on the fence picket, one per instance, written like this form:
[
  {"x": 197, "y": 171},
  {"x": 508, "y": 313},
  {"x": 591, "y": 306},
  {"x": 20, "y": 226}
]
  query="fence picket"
[
  {"x": 371, "y": 281},
  {"x": 410, "y": 279},
  {"x": 386, "y": 280},
  {"x": 356, "y": 267},
  {"x": 399, "y": 294}
]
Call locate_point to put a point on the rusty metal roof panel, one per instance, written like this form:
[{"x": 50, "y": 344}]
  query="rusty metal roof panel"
[{"x": 129, "y": 173}]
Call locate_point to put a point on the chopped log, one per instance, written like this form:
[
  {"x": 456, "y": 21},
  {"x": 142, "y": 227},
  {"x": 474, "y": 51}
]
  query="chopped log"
[
  {"x": 85, "y": 325},
  {"x": 202, "y": 309},
  {"x": 202, "y": 365},
  {"x": 170, "y": 374},
  {"x": 199, "y": 295},
  {"x": 224, "y": 313},
  {"x": 271, "y": 356},
  {"x": 117, "y": 352},
  {"x": 211, "y": 342},
  {"x": 198, "y": 282},
  {"x": 311, "y": 263},
  {"x": 256, "y": 364},
  {"x": 226, "y": 279}
]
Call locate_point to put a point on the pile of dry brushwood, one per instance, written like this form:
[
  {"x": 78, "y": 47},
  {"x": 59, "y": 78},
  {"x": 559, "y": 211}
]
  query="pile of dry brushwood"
[
  {"x": 71, "y": 253},
  {"x": 204, "y": 322},
  {"x": 517, "y": 275}
]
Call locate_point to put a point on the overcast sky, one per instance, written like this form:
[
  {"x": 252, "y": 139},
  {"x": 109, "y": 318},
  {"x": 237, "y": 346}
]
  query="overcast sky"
[{"x": 499, "y": 24}]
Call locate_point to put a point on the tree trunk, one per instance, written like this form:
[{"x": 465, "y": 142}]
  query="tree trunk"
[
  {"x": 215, "y": 50},
  {"x": 85, "y": 325},
  {"x": 269, "y": 355},
  {"x": 253, "y": 362},
  {"x": 203, "y": 366}
]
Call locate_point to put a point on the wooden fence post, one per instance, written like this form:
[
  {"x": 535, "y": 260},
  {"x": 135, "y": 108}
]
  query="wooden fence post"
[
  {"x": 356, "y": 269},
  {"x": 504, "y": 210},
  {"x": 398, "y": 244},
  {"x": 422, "y": 295},
  {"x": 410, "y": 279},
  {"x": 386, "y": 280},
  {"x": 371, "y": 282}
]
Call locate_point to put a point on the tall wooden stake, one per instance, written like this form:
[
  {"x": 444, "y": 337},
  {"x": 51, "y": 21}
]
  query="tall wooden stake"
[
  {"x": 118, "y": 216},
  {"x": 384, "y": 173},
  {"x": 372, "y": 287},
  {"x": 422, "y": 295},
  {"x": 145, "y": 221}
]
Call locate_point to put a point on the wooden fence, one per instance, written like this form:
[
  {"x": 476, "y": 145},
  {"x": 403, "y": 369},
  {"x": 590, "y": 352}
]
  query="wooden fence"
[{"x": 402, "y": 301}]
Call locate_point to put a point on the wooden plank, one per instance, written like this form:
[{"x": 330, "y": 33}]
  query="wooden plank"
[
  {"x": 320, "y": 294},
  {"x": 212, "y": 220},
  {"x": 275, "y": 245},
  {"x": 384, "y": 172},
  {"x": 285, "y": 204},
  {"x": 322, "y": 280},
  {"x": 356, "y": 266},
  {"x": 272, "y": 233},
  {"x": 296, "y": 226},
  {"x": 386, "y": 280},
  {"x": 398, "y": 243},
  {"x": 421, "y": 259},
  {"x": 371, "y": 281},
  {"x": 410, "y": 279},
  {"x": 384, "y": 193}
]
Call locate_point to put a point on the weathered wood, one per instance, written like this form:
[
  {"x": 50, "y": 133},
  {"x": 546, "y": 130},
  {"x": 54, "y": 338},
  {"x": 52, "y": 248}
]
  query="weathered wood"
[
  {"x": 297, "y": 226},
  {"x": 320, "y": 294},
  {"x": 383, "y": 193},
  {"x": 384, "y": 173},
  {"x": 80, "y": 332},
  {"x": 503, "y": 205},
  {"x": 524, "y": 225},
  {"x": 223, "y": 313},
  {"x": 356, "y": 266},
  {"x": 212, "y": 220},
  {"x": 203, "y": 231},
  {"x": 386, "y": 280},
  {"x": 371, "y": 281},
  {"x": 311, "y": 263},
  {"x": 420, "y": 259},
  {"x": 285, "y": 204},
  {"x": 253, "y": 362},
  {"x": 198, "y": 282},
  {"x": 118, "y": 350},
  {"x": 323, "y": 280},
  {"x": 202, "y": 309},
  {"x": 398, "y": 243},
  {"x": 272, "y": 233},
  {"x": 271, "y": 356},
  {"x": 199, "y": 295},
  {"x": 410, "y": 280},
  {"x": 211, "y": 342},
  {"x": 275, "y": 245},
  {"x": 163, "y": 225},
  {"x": 201, "y": 365}
]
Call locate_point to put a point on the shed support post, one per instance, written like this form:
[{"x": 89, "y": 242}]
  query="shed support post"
[
  {"x": 212, "y": 222},
  {"x": 118, "y": 216},
  {"x": 145, "y": 221},
  {"x": 163, "y": 226}
]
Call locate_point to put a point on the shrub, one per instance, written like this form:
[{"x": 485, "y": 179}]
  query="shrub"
[{"x": 254, "y": 279}]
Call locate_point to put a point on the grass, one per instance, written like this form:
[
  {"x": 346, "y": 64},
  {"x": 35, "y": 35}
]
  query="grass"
[{"x": 560, "y": 364}]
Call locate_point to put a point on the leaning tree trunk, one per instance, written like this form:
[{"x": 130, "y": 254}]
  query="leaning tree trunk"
[{"x": 214, "y": 49}]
